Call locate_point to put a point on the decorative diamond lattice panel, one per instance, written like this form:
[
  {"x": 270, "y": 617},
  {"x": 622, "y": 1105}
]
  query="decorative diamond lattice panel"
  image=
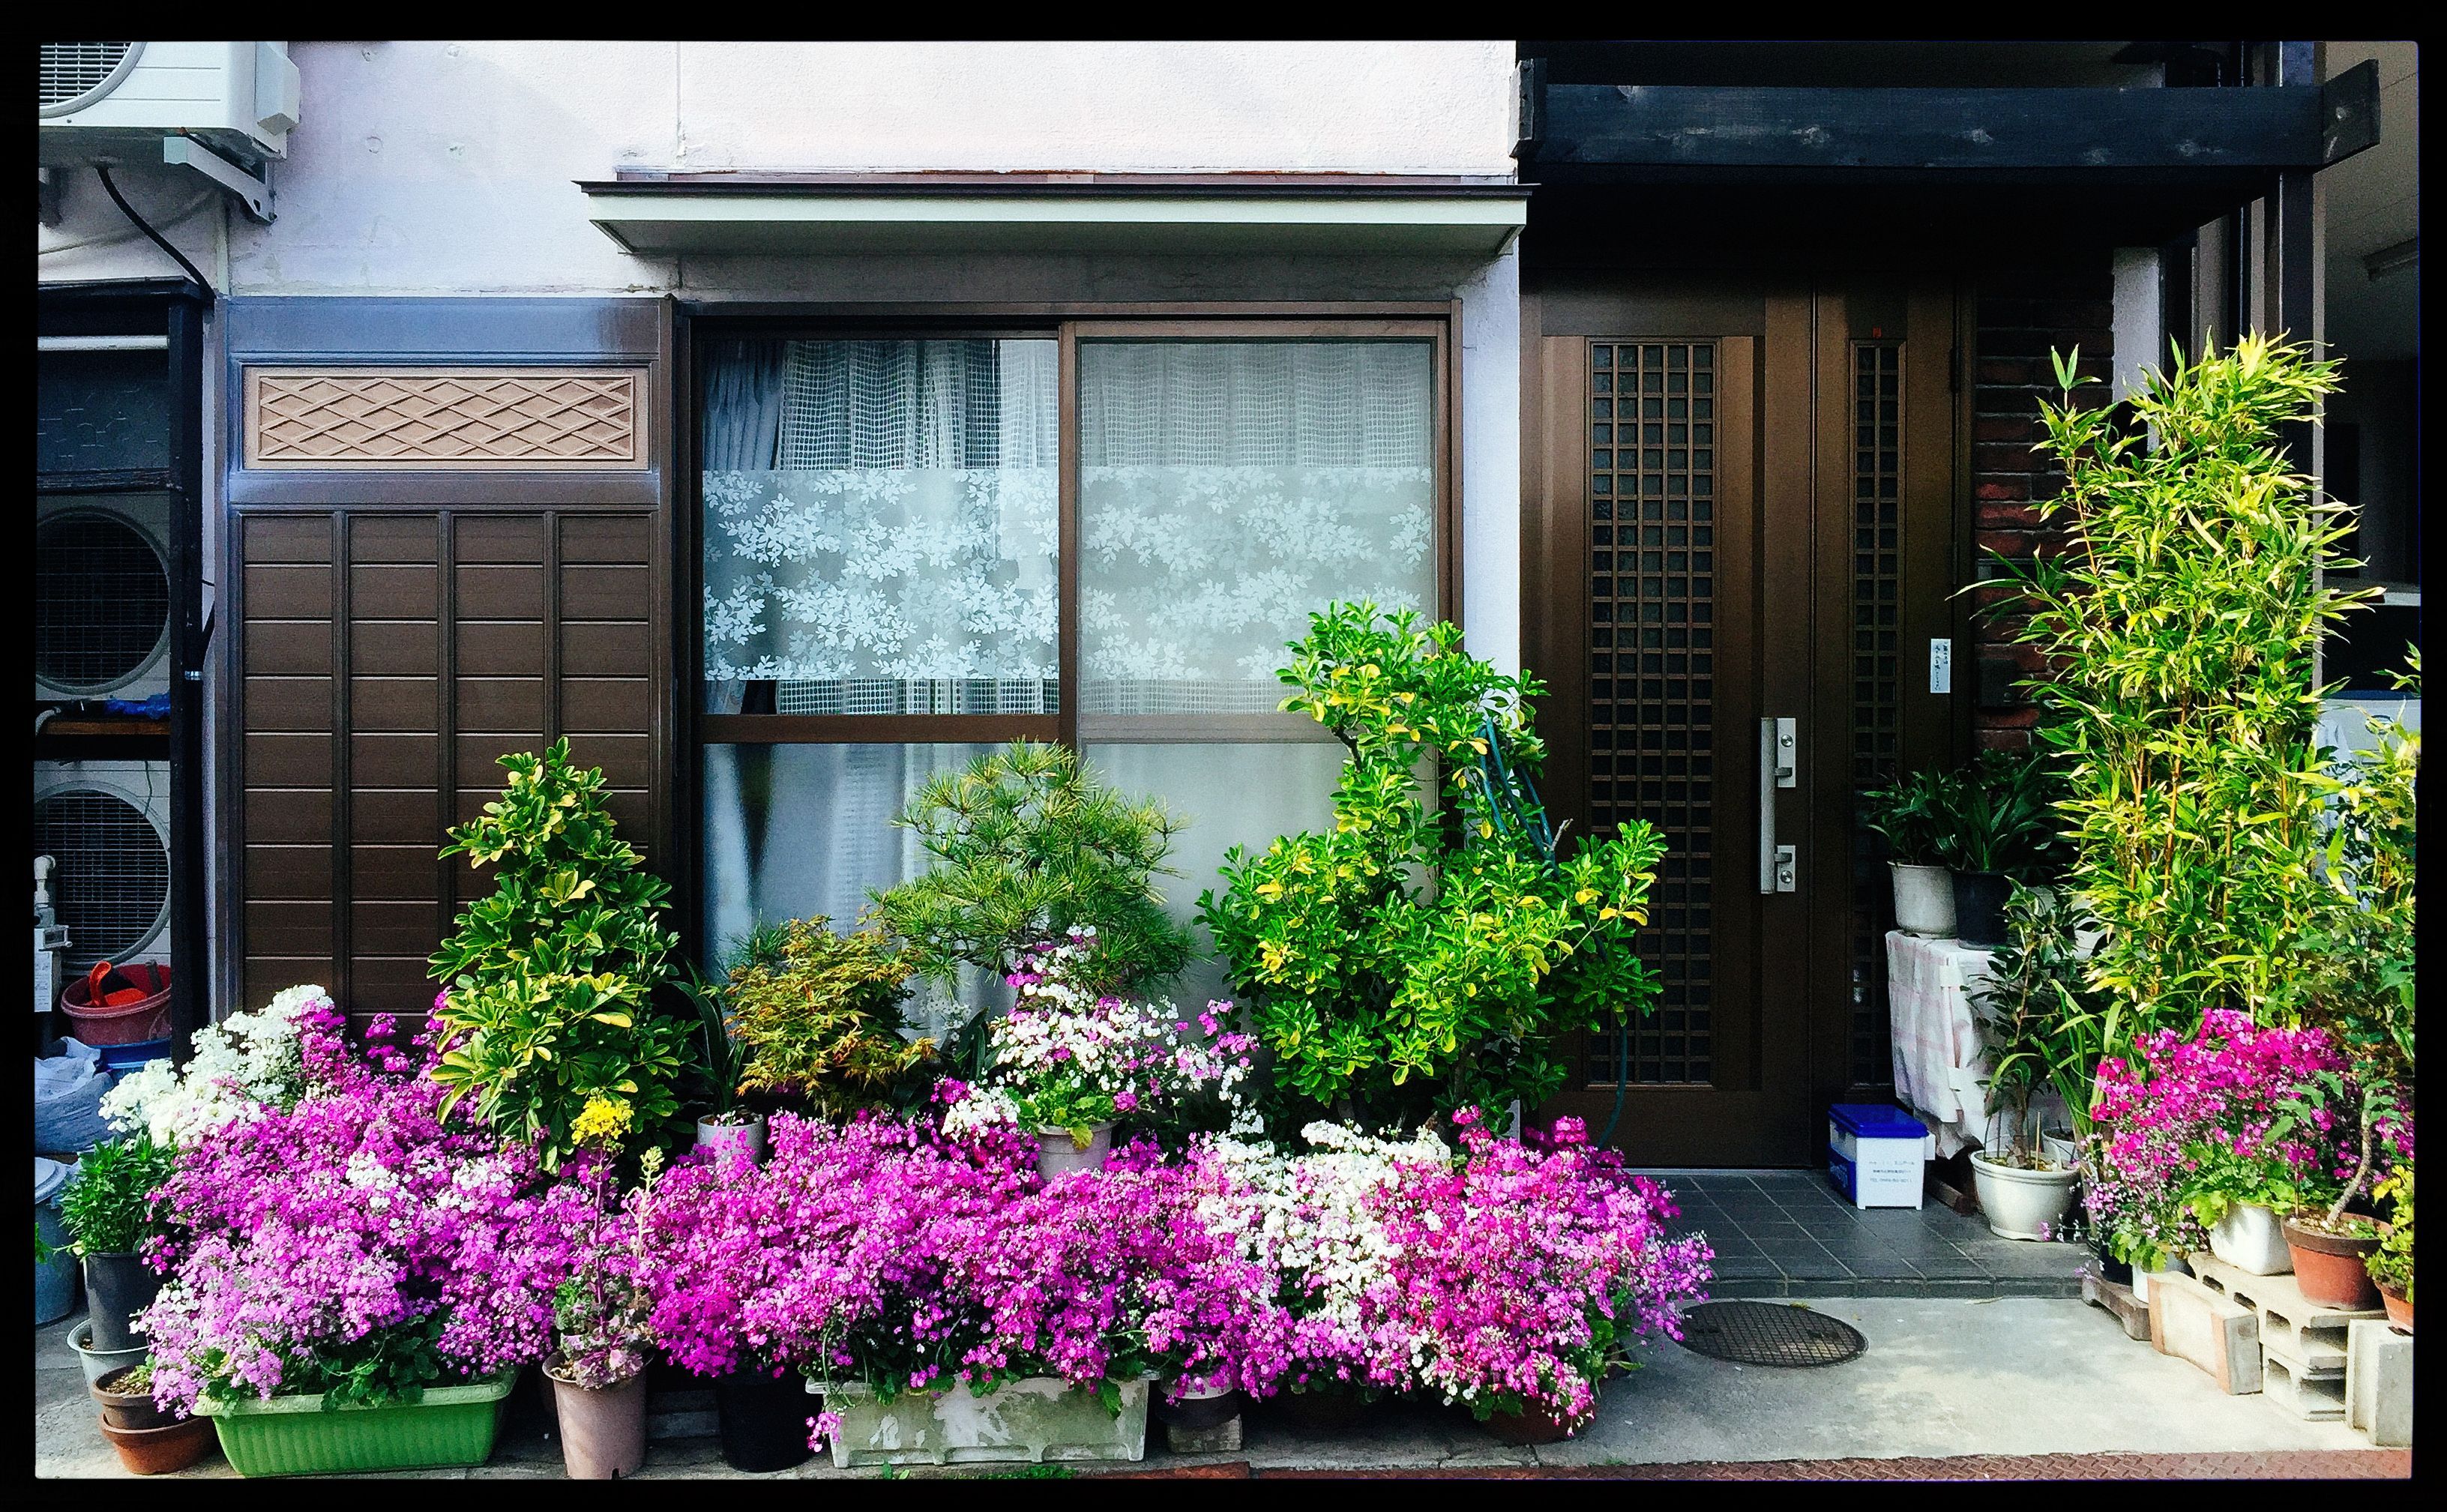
[
  {"x": 1652, "y": 667},
  {"x": 1877, "y": 526},
  {"x": 447, "y": 418}
]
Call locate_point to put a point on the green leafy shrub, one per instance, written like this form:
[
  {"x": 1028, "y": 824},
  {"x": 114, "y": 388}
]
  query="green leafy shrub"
[
  {"x": 821, "y": 1022},
  {"x": 2180, "y": 627},
  {"x": 1411, "y": 960},
  {"x": 108, "y": 1209},
  {"x": 1997, "y": 816},
  {"x": 2392, "y": 1265},
  {"x": 1027, "y": 843},
  {"x": 549, "y": 1013},
  {"x": 2044, "y": 1025},
  {"x": 1912, "y": 813}
]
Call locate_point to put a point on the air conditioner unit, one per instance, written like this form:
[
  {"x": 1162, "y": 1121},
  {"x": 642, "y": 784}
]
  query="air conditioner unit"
[
  {"x": 101, "y": 597},
  {"x": 115, "y": 101},
  {"x": 107, "y": 828}
]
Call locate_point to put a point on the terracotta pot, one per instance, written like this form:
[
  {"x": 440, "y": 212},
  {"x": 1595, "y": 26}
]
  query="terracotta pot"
[
  {"x": 159, "y": 1451},
  {"x": 1533, "y": 1426},
  {"x": 603, "y": 1429},
  {"x": 2400, "y": 1309},
  {"x": 2331, "y": 1268},
  {"x": 120, "y": 1410}
]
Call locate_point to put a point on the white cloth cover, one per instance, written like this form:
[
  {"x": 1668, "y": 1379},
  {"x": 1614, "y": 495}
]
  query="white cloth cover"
[{"x": 1939, "y": 1057}]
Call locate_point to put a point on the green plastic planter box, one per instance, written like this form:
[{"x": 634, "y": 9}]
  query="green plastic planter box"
[
  {"x": 1022, "y": 1421},
  {"x": 296, "y": 1435}
]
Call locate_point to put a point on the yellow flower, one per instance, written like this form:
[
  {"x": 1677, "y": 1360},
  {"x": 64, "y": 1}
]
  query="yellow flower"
[{"x": 602, "y": 1119}]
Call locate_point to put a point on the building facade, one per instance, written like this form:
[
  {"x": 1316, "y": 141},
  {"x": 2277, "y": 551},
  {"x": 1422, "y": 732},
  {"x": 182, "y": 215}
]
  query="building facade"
[{"x": 786, "y": 423}]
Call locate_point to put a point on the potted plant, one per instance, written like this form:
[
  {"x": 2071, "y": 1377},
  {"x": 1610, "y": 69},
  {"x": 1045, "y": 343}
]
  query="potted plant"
[
  {"x": 2041, "y": 1029},
  {"x": 1995, "y": 827},
  {"x": 727, "y": 1123},
  {"x": 818, "y": 1019},
  {"x": 602, "y": 1322},
  {"x": 1910, "y": 814},
  {"x": 1068, "y": 1062},
  {"x": 2331, "y": 1246},
  {"x": 109, "y": 1212},
  {"x": 452, "y": 1241},
  {"x": 2391, "y": 1266}
]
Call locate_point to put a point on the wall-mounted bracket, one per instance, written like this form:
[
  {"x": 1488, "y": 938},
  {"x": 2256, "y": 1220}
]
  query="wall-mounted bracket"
[{"x": 254, "y": 191}]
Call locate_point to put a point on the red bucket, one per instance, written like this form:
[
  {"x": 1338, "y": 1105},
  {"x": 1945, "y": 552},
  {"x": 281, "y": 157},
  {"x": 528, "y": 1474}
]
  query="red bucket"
[{"x": 144, "y": 1018}]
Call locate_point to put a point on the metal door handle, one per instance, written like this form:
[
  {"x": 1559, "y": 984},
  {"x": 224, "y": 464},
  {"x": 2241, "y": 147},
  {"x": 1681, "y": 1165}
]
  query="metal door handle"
[{"x": 1779, "y": 766}]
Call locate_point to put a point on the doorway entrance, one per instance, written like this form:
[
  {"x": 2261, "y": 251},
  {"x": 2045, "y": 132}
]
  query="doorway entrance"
[{"x": 1741, "y": 549}]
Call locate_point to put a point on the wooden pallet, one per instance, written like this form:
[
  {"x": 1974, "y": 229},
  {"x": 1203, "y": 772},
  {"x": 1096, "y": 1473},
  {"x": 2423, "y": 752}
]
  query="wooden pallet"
[
  {"x": 2118, "y": 1300},
  {"x": 2310, "y": 1335}
]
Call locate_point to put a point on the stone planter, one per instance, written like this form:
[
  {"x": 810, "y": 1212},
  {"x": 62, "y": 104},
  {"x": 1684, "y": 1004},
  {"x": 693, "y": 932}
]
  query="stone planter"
[
  {"x": 1980, "y": 908},
  {"x": 1059, "y": 1152},
  {"x": 603, "y": 1429},
  {"x": 2330, "y": 1268},
  {"x": 1924, "y": 900},
  {"x": 2022, "y": 1204},
  {"x": 744, "y": 1139},
  {"x": 2250, "y": 1238},
  {"x": 1029, "y": 1421}
]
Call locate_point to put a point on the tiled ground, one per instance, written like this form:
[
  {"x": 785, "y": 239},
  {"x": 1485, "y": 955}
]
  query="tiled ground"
[{"x": 1787, "y": 1233}]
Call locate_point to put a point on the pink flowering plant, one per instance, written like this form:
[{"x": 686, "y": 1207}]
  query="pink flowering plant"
[
  {"x": 2233, "y": 1113},
  {"x": 1068, "y": 1056},
  {"x": 355, "y": 1245},
  {"x": 1528, "y": 1270}
]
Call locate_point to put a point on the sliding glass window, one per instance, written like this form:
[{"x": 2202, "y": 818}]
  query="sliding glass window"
[{"x": 888, "y": 526}]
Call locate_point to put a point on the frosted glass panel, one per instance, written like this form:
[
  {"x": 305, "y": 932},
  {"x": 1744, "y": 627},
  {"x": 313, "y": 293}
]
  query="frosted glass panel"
[
  {"x": 1229, "y": 489},
  {"x": 881, "y": 527},
  {"x": 1232, "y": 795}
]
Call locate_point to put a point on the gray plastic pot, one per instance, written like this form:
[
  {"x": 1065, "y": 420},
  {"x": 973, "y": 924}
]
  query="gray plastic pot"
[
  {"x": 99, "y": 1363},
  {"x": 117, "y": 1287}
]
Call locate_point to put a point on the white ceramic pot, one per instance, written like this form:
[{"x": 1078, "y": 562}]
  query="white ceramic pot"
[
  {"x": 2251, "y": 1239},
  {"x": 733, "y": 1140},
  {"x": 2022, "y": 1204},
  {"x": 1059, "y": 1153},
  {"x": 2059, "y": 1149},
  {"x": 1924, "y": 900}
]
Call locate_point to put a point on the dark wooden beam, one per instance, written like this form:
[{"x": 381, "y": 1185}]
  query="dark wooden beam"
[{"x": 1675, "y": 126}]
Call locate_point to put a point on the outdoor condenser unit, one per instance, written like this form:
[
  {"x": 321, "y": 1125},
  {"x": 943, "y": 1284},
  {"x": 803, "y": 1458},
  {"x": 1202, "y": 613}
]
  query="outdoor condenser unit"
[
  {"x": 107, "y": 828},
  {"x": 222, "y": 108},
  {"x": 101, "y": 597}
]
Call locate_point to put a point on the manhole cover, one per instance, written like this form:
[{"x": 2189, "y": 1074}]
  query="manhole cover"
[{"x": 1769, "y": 1333}]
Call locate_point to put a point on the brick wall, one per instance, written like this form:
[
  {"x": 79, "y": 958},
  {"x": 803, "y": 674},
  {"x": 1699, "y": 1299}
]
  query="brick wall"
[{"x": 2025, "y": 313}]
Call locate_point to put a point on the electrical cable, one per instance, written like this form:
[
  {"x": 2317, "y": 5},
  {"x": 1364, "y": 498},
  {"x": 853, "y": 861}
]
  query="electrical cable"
[
  {"x": 163, "y": 242},
  {"x": 178, "y": 218}
]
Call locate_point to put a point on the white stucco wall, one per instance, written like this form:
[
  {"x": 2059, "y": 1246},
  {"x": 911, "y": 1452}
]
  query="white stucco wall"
[{"x": 422, "y": 168}]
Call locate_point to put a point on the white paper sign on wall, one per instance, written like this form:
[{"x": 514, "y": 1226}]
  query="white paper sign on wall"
[{"x": 1941, "y": 666}]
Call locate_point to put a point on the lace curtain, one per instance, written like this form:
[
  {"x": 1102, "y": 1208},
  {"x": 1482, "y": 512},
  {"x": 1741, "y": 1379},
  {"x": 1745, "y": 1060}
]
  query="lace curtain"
[
  {"x": 879, "y": 526},
  {"x": 1227, "y": 490}
]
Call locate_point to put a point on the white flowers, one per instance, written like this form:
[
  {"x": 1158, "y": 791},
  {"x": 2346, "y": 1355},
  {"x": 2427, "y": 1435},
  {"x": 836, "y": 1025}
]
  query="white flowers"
[
  {"x": 1310, "y": 1216},
  {"x": 245, "y": 1062}
]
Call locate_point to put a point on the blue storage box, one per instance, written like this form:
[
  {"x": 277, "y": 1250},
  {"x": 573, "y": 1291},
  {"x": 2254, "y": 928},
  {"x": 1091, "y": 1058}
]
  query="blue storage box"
[{"x": 1875, "y": 1153}]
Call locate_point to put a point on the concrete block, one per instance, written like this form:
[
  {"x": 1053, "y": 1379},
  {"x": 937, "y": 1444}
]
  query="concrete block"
[
  {"x": 2309, "y": 1332},
  {"x": 1222, "y": 1437},
  {"x": 2117, "y": 1299},
  {"x": 2313, "y": 1396},
  {"x": 2379, "y": 1383},
  {"x": 2191, "y": 1322}
]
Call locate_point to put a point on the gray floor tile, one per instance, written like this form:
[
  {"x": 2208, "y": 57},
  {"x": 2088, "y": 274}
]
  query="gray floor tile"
[{"x": 1821, "y": 1267}]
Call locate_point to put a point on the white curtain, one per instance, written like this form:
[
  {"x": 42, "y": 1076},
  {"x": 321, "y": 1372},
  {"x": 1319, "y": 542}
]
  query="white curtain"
[{"x": 1227, "y": 490}]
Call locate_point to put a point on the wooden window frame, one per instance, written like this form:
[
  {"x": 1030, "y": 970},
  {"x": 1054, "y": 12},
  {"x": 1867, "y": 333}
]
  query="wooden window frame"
[{"x": 1435, "y": 322}]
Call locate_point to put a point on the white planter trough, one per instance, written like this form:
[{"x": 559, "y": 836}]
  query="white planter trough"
[
  {"x": 1023, "y": 1422},
  {"x": 1924, "y": 900},
  {"x": 2022, "y": 1204},
  {"x": 2250, "y": 1238}
]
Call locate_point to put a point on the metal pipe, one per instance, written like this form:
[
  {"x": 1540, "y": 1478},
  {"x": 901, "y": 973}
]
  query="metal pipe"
[{"x": 139, "y": 343}]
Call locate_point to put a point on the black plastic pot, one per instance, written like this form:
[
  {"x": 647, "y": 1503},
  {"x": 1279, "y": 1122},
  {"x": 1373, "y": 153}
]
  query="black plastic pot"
[
  {"x": 2112, "y": 1269},
  {"x": 116, "y": 1288},
  {"x": 762, "y": 1420},
  {"x": 1980, "y": 907}
]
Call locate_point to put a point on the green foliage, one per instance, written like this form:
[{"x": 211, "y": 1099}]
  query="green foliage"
[
  {"x": 385, "y": 1366},
  {"x": 550, "y": 1005},
  {"x": 1998, "y": 816},
  {"x": 43, "y": 1251},
  {"x": 2182, "y": 625},
  {"x": 1026, "y": 843},
  {"x": 1913, "y": 813},
  {"x": 1410, "y": 960},
  {"x": 2362, "y": 947},
  {"x": 2393, "y": 1264},
  {"x": 108, "y": 1208},
  {"x": 820, "y": 1023},
  {"x": 2045, "y": 1026}
]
